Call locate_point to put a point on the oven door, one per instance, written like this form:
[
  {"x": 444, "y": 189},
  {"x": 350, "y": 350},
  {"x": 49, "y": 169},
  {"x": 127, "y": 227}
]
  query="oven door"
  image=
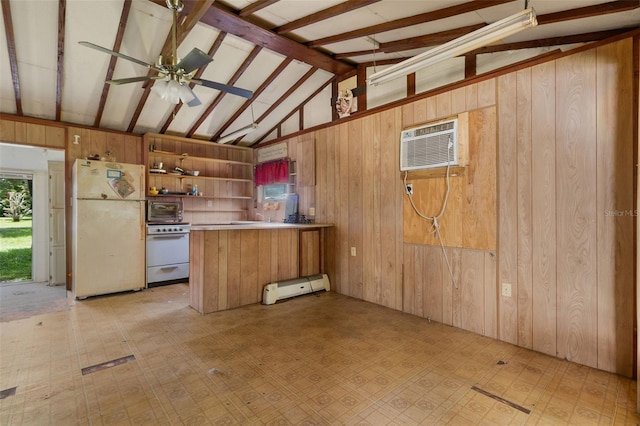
[{"x": 167, "y": 249}]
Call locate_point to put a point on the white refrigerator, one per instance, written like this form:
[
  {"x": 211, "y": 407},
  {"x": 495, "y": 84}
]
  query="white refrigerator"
[{"x": 108, "y": 228}]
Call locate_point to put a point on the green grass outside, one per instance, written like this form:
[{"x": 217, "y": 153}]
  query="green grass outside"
[{"x": 15, "y": 250}]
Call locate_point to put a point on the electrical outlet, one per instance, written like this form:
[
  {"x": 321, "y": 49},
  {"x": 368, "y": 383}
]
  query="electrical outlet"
[
  {"x": 209, "y": 203},
  {"x": 409, "y": 189},
  {"x": 353, "y": 251},
  {"x": 506, "y": 289}
]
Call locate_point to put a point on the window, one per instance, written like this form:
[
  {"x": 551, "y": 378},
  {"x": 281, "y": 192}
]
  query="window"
[{"x": 276, "y": 191}]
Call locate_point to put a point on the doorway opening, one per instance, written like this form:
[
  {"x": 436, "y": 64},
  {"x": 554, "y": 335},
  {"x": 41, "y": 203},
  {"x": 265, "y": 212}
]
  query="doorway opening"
[
  {"x": 41, "y": 288},
  {"x": 16, "y": 237}
]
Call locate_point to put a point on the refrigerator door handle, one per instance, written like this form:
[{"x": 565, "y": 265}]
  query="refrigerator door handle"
[{"x": 143, "y": 228}]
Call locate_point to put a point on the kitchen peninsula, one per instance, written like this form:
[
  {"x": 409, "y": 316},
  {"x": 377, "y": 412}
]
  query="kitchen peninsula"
[{"x": 231, "y": 262}]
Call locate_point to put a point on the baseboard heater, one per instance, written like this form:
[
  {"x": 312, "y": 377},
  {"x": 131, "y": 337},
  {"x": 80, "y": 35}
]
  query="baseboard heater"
[{"x": 294, "y": 287}]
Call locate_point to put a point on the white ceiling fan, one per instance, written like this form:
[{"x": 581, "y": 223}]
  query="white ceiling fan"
[{"x": 174, "y": 74}]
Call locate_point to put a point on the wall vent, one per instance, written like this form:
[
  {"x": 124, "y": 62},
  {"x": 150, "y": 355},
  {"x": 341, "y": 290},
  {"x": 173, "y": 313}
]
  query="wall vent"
[{"x": 429, "y": 146}]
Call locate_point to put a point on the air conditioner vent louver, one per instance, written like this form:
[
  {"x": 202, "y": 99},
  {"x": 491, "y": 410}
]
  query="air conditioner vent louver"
[{"x": 429, "y": 146}]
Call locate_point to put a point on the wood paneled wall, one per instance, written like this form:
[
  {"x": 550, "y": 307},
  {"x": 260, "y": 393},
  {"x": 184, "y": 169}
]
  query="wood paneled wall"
[
  {"x": 231, "y": 267},
  {"x": 32, "y": 132},
  {"x": 565, "y": 190},
  {"x": 358, "y": 189},
  {"x": 563, "y": 235}
]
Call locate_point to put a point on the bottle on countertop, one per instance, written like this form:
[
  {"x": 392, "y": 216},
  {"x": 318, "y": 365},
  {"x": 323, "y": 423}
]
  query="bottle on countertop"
[{"x": 195, "y": 190}]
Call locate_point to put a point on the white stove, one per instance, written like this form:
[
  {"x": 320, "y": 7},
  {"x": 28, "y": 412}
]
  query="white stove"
[{"x": 167, "y": 253}]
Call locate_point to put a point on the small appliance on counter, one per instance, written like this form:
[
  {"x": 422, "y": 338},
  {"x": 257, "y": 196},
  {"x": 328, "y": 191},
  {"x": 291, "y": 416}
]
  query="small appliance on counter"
[{"x": 164, "y": 211}]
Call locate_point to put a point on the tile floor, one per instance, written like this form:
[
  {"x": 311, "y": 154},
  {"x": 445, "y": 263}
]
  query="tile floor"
[
  {"x": 25, "y": 299},
  {"x": 323, "y": 359}
]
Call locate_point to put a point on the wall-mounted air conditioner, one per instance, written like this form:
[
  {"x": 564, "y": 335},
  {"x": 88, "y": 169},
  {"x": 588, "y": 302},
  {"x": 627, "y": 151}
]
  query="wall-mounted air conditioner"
[
  {"x": 294, "y": 287},
  {"x": 430, "y": 146}
]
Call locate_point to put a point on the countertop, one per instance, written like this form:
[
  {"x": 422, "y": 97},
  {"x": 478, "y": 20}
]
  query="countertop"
[{"x": 235, "y": 225}]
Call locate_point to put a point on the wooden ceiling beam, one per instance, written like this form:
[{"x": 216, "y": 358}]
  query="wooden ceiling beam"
[
  {"x": 293, "y": 111},
  {"x": 422, "y": 18},
  {"x": 248, "y": 60},
  {"x": 13, "y": 61},
  {"x": 256, "y": 6},
  {"x": 445, "y": 36},
  {"x": 198, "y": 8},
  {"x": 327, "y": 13},
  {"x": 588, "y": 11},
  {"x": 220, "y": 17},
  {"x": 284, "y": 64},
  {"x": 62, "y": 7},
  {"x": 124, "y": 17},
  {"x": 427, "y": 40},
  {"x": 284, "y": 96}
]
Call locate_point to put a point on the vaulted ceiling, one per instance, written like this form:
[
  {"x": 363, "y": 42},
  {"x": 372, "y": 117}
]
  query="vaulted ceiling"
[{"x": 292, "y": 54}]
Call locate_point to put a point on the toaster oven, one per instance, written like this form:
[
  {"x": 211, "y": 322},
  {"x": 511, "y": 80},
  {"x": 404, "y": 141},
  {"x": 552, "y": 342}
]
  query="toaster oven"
[{"x": 164, "y": 211}]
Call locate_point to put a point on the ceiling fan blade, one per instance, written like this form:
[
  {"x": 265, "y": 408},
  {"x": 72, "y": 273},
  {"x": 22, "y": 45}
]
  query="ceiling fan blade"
[
  {"x": 133, "y": 79},
  {"x": 225, "y": 88},
  {"x": 193, "y": 102},
  {"x": 194, "y": 60},
  {"x": 119, "y": 55}
]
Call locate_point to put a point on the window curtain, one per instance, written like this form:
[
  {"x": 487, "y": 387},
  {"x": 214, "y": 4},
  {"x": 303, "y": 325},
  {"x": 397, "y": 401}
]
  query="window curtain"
[{"x": 272, "y": 172}]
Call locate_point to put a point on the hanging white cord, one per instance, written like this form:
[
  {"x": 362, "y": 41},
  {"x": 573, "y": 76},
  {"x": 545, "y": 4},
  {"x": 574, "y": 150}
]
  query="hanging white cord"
[{"x": 435, "y": 225}]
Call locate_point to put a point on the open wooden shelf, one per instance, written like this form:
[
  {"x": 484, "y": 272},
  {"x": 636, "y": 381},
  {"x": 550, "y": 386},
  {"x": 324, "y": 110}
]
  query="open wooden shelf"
[
  {"x": 225, "y": 178},
  {"x": 174, "y": 176},
  {"x": 204, "y": 197},
  {"x": 193, "y": 157}
]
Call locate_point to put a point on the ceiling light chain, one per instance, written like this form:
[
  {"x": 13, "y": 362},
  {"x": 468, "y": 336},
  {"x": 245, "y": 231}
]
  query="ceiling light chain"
[{"x": 375, "y": 43}]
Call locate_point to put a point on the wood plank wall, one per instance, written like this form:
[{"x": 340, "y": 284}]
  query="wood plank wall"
[
  {"x": 564, "y": 225},
  {"x": 233, "y": 266},
  {"x": 565, "y": 180},
  {"x": 32, "y": 132},
  {"x": 358, "y": 190}
]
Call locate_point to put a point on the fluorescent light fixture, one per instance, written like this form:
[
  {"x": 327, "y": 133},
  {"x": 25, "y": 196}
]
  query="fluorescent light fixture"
[
  {"x": 468, "y": 42},
  {"x": 173, "y": 92},
  {"x": 240, "y": 132}
]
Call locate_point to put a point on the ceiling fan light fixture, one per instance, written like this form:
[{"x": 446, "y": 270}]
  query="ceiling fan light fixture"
[
  {"x": 173, "y": 92},
  {"x": 468, "y": 42}
]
